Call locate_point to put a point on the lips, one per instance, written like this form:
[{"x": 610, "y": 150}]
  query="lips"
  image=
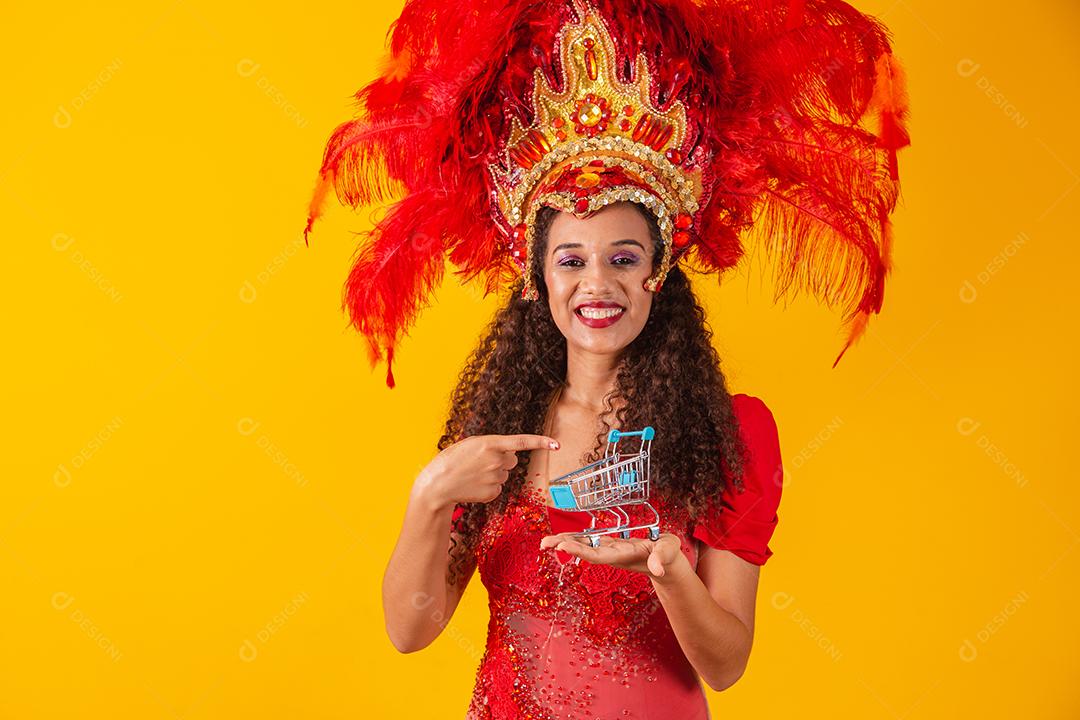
[{"x": 599, "y": 314}]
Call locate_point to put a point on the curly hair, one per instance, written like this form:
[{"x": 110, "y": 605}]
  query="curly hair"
[{"x": 669, "y": 377}]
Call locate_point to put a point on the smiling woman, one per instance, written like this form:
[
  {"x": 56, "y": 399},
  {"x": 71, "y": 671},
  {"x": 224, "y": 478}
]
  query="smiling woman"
[
  {"x": 595, "y": 273},
  {"x": 610, "y": 143},
  {"x": 545, "y": 369}
]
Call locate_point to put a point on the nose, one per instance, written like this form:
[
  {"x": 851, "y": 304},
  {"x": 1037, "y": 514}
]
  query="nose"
[{"x": 596, "y": 278}]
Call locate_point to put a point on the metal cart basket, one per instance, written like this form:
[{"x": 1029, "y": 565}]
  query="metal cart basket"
[{"x": 609, "y": 484}]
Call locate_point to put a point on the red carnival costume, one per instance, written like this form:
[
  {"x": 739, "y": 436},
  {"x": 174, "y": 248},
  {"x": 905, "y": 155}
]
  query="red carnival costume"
[
  {"x": 773, "y": 122},
  {"x": 583, "y": 640}
]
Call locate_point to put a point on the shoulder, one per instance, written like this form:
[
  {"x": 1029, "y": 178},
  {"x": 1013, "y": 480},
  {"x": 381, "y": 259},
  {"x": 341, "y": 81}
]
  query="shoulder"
[
  {"x": 743, "y": 520},
  {"x": 753, "y": 414},
  {"x": 742, "y": 402},
  {"x": 763, "y": 471}
]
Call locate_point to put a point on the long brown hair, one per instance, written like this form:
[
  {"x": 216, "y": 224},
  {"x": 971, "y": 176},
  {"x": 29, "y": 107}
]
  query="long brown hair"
[{"x": 669, "y": 377}]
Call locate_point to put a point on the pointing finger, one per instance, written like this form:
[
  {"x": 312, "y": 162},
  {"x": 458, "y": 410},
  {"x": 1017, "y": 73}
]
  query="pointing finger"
[{"x": 518, "y": 443}]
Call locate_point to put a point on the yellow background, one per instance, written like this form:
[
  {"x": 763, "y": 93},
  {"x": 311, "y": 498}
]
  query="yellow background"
[{"x": 203, "y": 479}]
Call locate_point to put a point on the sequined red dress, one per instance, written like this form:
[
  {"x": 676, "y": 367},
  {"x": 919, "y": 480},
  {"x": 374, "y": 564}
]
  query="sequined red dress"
[{"x": 582, "y": 640}]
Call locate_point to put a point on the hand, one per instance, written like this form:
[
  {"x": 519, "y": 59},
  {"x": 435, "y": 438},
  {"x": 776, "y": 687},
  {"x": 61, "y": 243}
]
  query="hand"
[
  {"x": 475, "y": 468},
  {"x": 652, "y": 557}
]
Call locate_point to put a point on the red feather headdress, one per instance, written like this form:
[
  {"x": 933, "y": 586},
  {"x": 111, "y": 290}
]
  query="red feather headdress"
[{"x": 774, "y": 122}]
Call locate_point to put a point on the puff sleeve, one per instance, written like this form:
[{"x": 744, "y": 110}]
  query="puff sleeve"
[{"x": 743, "y": 523}]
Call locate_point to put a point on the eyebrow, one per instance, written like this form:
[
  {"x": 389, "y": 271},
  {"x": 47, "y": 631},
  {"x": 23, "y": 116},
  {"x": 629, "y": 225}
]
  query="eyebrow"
[{"x": 567, "y": 246}]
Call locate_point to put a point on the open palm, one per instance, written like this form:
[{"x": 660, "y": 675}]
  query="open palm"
[{"x": 652, "y": 557}]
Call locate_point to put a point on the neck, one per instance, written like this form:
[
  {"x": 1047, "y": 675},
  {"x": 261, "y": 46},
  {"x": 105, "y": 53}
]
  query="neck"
[{"x": 589, "y": 378}]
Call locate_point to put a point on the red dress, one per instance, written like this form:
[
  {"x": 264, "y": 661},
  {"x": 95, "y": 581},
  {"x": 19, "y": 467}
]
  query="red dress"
[{"x": 583, "y": 640}]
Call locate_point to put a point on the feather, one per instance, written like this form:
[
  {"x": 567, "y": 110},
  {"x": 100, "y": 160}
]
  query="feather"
[
  {"x": 778, "y": 93},
  {"x": 393, "y": 275},
  {"x": 891, "y": 103}
]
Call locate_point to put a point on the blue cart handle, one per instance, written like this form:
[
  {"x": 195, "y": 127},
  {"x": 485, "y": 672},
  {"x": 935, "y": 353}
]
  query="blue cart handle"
[{"x": 646, "y": 434}]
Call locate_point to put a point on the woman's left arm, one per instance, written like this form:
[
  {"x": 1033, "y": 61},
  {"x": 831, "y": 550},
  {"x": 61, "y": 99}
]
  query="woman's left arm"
[{"x": 711, "y": 612}]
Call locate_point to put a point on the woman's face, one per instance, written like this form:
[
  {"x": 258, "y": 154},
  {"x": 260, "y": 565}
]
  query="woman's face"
[{"x": 594, "y": 270}]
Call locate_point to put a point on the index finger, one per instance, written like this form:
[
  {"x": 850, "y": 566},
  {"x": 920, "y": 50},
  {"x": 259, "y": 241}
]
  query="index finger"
[{"x": 526, "y": 442}]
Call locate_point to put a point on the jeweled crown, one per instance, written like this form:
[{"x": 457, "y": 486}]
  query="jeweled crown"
[{"x": 597, "y": 142}]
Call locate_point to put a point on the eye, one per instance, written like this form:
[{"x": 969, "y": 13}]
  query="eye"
[
  {"x": 568, "y": 262},
  {"x": 630, "y": 259}
]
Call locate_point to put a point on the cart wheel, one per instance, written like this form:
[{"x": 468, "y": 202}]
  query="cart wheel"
[
  {"x": 625, "y": 534},
  {"x": 654, "y": 533},
  {"x": 594, "y": 541}
]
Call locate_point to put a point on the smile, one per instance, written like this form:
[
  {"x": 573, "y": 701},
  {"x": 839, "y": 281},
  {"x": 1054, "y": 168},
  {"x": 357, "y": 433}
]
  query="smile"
[{"x": 596, "y": 317}]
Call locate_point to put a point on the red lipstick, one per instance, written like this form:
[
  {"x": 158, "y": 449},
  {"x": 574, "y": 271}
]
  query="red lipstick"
[{"x": 602, "y": 322}]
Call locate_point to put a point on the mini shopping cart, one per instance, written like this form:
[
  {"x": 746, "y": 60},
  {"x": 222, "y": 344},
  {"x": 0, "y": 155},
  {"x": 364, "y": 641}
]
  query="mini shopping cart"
[{"x": 609, "y": 484}]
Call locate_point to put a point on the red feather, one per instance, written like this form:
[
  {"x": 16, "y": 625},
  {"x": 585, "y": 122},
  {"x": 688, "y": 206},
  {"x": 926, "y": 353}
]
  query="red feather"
[{"x": 778, "y": 94}]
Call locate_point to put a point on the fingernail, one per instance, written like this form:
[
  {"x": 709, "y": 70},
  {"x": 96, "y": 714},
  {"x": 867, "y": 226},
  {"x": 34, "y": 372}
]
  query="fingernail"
[{"x": 554, "y": 445}]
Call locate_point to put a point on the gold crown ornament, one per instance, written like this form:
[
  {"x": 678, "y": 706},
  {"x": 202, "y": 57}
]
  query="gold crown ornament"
[{"x": 597, "y": 142}]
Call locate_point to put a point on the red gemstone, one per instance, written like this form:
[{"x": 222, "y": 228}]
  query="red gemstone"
[
  {"x": 662, "y": 137},
  {"x": 558, "y": 122},
  {"x": 581, "y": 206},
  {"x": 560, "y": 135},
  {"x": 674, "y": 156},
  {"x": 590, "y": 63},
  {"x": 683, "y": 221},
  {"x": 628, "y": 110},
  {"x": 589, "y": 42},
  {"x": 681, "y": 238},
  {"x": 596, "y": 163},
  {"x": 625, "y": 125}
]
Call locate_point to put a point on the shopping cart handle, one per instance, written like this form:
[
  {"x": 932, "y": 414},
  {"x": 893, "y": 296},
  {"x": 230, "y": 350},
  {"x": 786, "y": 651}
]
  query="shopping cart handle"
[
  {"x": 646, "y": 434},
  {"x": 563, "y": 498}
]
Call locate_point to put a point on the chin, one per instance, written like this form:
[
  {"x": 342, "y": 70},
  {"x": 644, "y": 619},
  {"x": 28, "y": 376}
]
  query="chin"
[{"x": 602, "y": 346}]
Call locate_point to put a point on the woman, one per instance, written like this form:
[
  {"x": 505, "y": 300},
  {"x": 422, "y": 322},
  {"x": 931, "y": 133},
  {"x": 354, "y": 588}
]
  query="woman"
[
  {"x": 594, "y": 645},
  {"x": 596, "y": 148}
]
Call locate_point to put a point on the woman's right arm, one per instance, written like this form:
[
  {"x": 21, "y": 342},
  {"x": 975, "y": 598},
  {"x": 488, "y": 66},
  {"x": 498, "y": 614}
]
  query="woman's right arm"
[{"x": 417, "y": 600}]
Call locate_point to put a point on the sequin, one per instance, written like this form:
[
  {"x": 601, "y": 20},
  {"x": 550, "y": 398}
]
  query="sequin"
[{"x": 574, "y": 640}]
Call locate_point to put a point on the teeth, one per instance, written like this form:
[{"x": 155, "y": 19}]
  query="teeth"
[{"x": 599, "y": 313}]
